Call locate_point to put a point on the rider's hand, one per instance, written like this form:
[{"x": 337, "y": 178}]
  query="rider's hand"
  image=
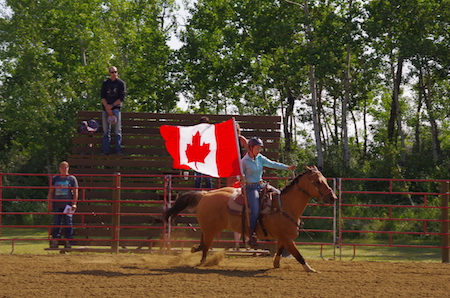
[{"x": 292, "y": 167}]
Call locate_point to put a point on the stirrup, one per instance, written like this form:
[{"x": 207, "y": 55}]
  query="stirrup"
[{"x": 253, "y": 241}]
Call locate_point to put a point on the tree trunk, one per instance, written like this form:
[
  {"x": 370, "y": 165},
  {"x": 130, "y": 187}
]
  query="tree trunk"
[
  {"x": 315, "y": 116},
  {"x": 344, "y": 110},
  {"x": 313, "y": 90},
  {"x": 287, "y": 122},
  {"x": 346, "y": 97},
  {"x": 435, "y": 143},
  {"x": 394, "y": 105},
  {"x": 417, "y": 139},
  {"x": 396, "y": 117}
]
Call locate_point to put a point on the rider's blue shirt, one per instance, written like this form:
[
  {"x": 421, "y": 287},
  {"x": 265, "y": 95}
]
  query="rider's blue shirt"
[{"x": 253, "y": 168}]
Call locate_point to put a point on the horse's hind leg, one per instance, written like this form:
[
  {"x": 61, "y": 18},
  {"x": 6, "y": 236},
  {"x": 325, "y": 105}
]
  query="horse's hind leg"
[
  {"x": 197, "y": 247},
  {"x": 205, "y": 244}
]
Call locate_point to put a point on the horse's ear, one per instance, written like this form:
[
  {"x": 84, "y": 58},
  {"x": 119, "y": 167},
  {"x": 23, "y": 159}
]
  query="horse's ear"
[{"x": 308, "y": 168}]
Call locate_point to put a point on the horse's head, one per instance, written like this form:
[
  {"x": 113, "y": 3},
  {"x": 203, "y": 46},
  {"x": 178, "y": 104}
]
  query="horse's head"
[{"x": 314, "y": 184}]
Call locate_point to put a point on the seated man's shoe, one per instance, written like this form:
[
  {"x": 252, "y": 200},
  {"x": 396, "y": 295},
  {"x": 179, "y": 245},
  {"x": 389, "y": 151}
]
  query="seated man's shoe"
[{"x": 67, "y": 244}]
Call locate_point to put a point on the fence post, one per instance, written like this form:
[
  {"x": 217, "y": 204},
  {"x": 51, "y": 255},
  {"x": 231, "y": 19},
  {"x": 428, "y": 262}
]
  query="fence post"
[
  {"x": 445, "y": 224},
  {"x": 167, "y": 204},
  {"x": 116, "y": 216},
  {"x": 339, "y": 217},
  {"x": 1, "y": 204},
  {"x": 336, "y": 216}
]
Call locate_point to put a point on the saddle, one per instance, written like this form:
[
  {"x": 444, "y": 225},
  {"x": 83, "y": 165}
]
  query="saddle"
[{"x": 236, "y": 202}]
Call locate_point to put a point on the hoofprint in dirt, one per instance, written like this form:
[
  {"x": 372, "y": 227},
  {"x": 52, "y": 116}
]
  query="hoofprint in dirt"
[{"x": 100, "y": 275}]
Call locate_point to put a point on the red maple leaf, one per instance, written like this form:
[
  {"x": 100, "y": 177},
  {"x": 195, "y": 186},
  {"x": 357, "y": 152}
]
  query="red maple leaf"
[{"x": 196, "y": 152}]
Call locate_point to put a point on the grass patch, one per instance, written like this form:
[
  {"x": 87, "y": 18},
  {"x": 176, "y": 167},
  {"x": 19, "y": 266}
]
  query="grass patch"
[
  {"x": 27, "y": 241},
  {"x": 22, "y": 233},
  {"x": 376, "y": 253},
  {"x": 366, "y": 249},
  {"x": 24, "y": 240}
]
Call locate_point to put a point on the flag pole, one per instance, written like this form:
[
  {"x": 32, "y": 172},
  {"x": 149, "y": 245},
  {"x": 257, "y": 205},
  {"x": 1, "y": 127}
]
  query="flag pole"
[{"x": 246, "y": 210}]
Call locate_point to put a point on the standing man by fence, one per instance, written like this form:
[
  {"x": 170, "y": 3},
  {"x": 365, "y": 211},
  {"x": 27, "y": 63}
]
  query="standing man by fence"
[
  {"x": 199, "y": 177},
  {"x": 64, "y": 196}
]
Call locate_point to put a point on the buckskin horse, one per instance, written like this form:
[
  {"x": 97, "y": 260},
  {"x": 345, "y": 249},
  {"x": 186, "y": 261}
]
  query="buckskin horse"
[{"x": 282, "y": 224}]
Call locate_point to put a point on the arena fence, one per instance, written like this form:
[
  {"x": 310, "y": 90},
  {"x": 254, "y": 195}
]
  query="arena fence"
[{"x": 123, "y": 213}]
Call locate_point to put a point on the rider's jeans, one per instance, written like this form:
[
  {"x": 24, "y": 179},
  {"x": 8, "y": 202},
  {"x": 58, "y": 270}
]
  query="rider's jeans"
[{"x": 254, "y": 202}]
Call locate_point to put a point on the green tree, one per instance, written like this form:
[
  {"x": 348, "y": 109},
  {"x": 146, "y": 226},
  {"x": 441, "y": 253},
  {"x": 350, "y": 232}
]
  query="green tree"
[
  {"x": 246, "y": 55},
  {"x": 54, "y": 57},
  {"x": 404, "y": 33}
]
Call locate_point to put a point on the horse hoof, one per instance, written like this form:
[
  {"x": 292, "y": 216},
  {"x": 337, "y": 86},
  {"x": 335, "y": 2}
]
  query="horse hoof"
[
  {"x": 309, "y": 269},
  {"x": 201, "y": 264},
  {"x": 196, "y": 248},
  {"x": 276, "y": 262},
  {"x": 313, "y": 271}
]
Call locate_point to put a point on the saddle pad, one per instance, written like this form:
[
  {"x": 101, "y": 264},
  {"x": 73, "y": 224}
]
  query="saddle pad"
[{"x": 236, "y": 203}]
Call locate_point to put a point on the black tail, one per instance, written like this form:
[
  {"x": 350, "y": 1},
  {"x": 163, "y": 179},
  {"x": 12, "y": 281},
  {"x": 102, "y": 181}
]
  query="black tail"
[{"x": 188, "y": 200}]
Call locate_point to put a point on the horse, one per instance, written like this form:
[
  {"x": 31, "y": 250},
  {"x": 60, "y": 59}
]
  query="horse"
[{"x": 282, "y": 224}]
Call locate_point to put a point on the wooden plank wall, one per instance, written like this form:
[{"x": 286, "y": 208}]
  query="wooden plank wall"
[
  {"x": 144, "y": 148},
  {"x": 144, "y": 154}
]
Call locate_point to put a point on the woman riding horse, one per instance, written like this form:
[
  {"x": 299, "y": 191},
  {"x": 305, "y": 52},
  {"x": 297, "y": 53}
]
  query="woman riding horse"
[
  {"x": 282, "y": 224},
  {"x": 253, "y": 164}
]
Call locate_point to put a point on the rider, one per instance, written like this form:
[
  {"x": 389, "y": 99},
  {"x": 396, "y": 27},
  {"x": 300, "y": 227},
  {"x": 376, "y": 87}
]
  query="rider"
[{"x": 252, "y": 166}]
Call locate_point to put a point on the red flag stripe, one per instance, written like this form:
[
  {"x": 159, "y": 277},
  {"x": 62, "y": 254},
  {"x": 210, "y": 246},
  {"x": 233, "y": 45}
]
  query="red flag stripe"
[
  {"x": 171, "y": 134},
  {"x": 226, "y": 157}
]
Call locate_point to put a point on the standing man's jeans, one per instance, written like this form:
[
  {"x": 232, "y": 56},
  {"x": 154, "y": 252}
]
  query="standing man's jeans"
[
  {"x": 60, "y": 219},
  {"x": 107, "y": 131},
  {"x": 199, "y": 178}
]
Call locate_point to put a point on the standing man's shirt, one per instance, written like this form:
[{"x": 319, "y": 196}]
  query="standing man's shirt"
[
  {"x": 112, "y": 91},
  {"x": 63, "y": 192}
]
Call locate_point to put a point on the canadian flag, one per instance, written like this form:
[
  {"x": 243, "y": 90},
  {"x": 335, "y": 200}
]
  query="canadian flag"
[{"x": 210, "y": 149}]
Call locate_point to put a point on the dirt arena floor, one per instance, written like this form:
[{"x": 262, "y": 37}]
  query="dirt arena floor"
[{"x": 139, "y": 275}]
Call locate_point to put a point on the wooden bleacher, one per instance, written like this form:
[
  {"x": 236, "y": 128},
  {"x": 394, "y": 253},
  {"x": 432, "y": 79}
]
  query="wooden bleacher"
[
  {"x": 144, "y": 148},
  {"x": 144, "y": 154}
]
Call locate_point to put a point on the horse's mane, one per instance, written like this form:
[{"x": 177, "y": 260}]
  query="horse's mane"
[{"x": 293, "y": 182}]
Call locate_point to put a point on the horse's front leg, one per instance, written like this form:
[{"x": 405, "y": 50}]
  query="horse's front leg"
[{"x": 290, "y": 246}]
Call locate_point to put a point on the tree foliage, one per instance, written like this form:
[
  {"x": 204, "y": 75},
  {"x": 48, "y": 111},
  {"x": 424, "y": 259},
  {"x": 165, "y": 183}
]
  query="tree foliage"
[
  {"x": 55, "y": 56},
  {"x": 371, "y": 75}
]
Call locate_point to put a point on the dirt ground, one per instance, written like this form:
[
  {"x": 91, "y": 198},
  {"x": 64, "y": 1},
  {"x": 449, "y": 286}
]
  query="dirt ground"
[{"x": 135, "y": 275}]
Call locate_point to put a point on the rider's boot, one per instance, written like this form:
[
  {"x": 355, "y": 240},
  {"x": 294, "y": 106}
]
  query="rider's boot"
[{"x": 252, "y": 242}]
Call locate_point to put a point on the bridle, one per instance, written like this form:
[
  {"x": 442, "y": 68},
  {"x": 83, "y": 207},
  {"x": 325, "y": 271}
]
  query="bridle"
[
  {"x": 316, "y": 184},
  {"x": 310, "y": 173}
]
